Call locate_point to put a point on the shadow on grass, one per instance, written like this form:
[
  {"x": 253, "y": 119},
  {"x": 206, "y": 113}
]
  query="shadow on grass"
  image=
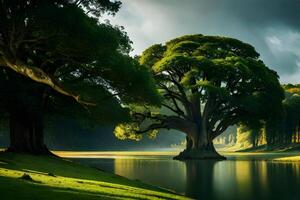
[
  {"x": 63, "y": 167},
  {"x": 14, "y": 188},
  {"x": 28, "y": 190}
]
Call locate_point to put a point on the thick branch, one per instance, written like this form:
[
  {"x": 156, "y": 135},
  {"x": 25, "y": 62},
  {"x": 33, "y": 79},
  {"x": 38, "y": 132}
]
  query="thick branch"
[
  {"x": 40, "y": 76},
  {"x": 178, "y": 111},
  {"x": 179, "y": 87},
  {"x": 151, "y": 127},
  {"x": 172, "y": 93},
  {"x": 174, "y": 97},
  {"x": 222, "y": 126},
  {"x": 172, "y": 122}
]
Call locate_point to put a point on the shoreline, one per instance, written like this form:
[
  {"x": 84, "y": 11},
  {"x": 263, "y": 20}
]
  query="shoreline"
[{"x": 60, "y": 178}]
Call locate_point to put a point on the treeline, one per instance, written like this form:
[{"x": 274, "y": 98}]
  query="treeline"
[
  {"x": 280, "y": 131},
  {"x": 285, "y": 130}
]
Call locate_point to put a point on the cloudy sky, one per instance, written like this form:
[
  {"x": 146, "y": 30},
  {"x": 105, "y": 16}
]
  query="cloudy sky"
[{"x": 271, "y": 26}]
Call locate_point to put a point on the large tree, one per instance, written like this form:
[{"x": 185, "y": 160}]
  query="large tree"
[
  {"x": 208, "y": 83},
  {"x": 56, "y": 57}
]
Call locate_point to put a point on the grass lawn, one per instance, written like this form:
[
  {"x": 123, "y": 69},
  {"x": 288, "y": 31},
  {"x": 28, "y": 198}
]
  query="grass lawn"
[{"x": 57, "y": 178}]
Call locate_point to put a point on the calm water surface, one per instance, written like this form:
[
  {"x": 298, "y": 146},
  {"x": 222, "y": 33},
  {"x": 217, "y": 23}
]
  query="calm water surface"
[{"x": 240, "y": 177}]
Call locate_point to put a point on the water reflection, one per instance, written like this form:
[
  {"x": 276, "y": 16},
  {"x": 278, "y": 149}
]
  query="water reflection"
[
  {"x": 242, "y": 180},
  {"x": 164, "y": 173},
  {"x": 218, "y": 180},
  {"x": 199, "y": 179}
]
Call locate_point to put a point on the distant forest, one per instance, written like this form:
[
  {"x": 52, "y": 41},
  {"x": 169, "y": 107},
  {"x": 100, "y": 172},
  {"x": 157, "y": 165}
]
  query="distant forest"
[{"x": 284, "y": 133}]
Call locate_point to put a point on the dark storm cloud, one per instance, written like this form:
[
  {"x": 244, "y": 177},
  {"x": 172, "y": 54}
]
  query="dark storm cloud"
[
  {"x": 261, "y": 12},
  {"x": 272, "y": 26}
]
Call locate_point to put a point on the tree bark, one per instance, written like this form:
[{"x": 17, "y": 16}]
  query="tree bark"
[
  {"x": 25, "y": 104},
  {"x": 199, "y": 141},
  {"x": 199, "y": 146},
  {"x": 26, "y": 122},
  {"x": 27, "y": 133}
]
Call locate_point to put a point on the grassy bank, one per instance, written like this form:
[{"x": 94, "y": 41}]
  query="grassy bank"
[
  {"x": 274, "y": 148},
  {"x": 114, "y": 154},
  {"x": 288, "y": 159},
  {"x": 56, "y": 178}
]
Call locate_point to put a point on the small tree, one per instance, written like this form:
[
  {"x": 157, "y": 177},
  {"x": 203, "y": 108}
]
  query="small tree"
[{"x": 208, "y": 83}]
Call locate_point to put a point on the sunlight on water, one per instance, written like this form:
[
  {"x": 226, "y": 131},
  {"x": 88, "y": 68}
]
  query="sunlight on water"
[
  {"x": 223, "y": 178},
  {"x": 296, "y": 168},
  {"x": 262, "y": 174},
  {"x": 241, "y": 177}
]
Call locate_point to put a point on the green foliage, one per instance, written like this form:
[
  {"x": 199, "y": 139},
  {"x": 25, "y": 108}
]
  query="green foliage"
[
  {"x": 124, "y": 131},
  {"x": 211, "y": 80},
  {"x": 280, "y": 127},
  {"x": 69, "y": 50},
  {"x": 292, "y": 108}
]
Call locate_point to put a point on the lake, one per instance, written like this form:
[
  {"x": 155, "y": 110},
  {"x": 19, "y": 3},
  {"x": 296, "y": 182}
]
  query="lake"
[{"x": 242, "y": 176}]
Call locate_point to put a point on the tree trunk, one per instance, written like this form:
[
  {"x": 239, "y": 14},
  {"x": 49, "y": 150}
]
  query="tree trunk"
[
  {"x": 199, "y": 146},
  {"x": 26, "y": 101},
  {"x": 26, "y": 133}
]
